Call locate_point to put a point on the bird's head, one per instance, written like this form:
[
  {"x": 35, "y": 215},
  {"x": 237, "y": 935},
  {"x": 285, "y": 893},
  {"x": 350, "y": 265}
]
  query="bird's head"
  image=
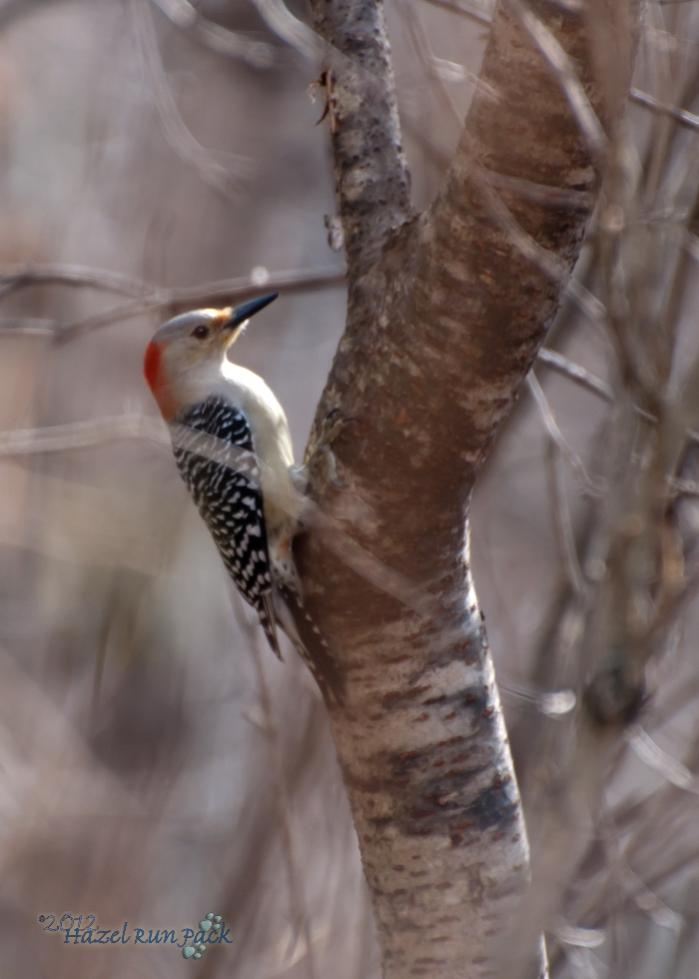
[{"x": 191, "y": 344}]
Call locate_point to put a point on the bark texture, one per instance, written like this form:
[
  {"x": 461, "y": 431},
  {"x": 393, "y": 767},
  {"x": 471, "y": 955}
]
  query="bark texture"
[{"x": 446, "y": 311}]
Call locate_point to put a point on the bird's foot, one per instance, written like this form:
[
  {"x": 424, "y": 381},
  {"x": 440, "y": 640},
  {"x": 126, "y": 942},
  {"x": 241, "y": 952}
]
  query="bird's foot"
[{"x": 330, "y": 428}]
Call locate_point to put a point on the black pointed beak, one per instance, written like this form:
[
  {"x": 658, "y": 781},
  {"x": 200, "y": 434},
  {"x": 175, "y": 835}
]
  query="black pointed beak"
[{"x": 243, "y": 312}]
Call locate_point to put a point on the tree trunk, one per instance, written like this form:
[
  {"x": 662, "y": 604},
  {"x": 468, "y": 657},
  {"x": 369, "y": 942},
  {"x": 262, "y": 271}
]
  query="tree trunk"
[{"x": 446, "y": 312}]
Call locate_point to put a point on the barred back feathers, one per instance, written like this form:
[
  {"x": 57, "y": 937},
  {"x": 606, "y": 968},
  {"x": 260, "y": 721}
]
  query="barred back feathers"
[{"x": 215, "y": 455}]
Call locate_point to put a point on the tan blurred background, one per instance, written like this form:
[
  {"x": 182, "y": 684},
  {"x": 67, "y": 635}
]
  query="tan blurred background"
[{"x": 156, "y": 763}]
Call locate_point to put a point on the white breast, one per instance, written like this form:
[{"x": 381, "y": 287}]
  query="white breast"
[{"x": 272, "y": 441}]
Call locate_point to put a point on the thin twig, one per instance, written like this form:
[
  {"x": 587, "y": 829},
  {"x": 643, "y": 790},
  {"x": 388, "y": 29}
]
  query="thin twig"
[
  {"x": 592, "y": 382},
  {"x": 16, "y": 277},
  {"x": 472, "y": 11},
  {"x": 290, "y": 29},
  {"x": 554, "y": 432},
  {"x": 561, "y": 197},
  {"x": 170, "y": 301},
  {"x": 565, "y": 72},
  {"x": 297, "y": 897},
  {"x": 672, "y": 770},
  {"x": 81, "y": 435},
  {"x": 563, "y": 524},
  {"x": 577, "y": 373},
  {"x": 181, "y": 13},
  {"x": 683, "y": 116},
  {"x": 220, "y": 169}
]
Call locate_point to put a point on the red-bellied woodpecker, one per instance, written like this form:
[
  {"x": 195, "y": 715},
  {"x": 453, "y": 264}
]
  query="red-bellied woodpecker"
[{"x": 233, "y": 449}]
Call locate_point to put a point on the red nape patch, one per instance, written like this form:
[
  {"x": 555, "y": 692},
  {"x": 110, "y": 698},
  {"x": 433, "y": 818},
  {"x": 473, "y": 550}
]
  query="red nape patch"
[
  {"x": 153, "y": 372},
  {"x": 151, "y": 365}
]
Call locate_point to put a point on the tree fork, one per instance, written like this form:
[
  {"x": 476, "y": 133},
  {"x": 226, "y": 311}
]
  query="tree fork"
[{"x": 446, "y": 312}]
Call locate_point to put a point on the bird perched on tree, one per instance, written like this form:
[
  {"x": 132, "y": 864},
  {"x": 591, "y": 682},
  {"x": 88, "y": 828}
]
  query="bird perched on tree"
[{"x": 233, "y": 449}]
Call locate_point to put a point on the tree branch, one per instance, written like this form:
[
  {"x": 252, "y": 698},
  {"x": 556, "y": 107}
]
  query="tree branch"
[
  {"x": 181, "y": 13},
  {"x": 150, "y": 298},
  {"x": 371, "y": 174}
]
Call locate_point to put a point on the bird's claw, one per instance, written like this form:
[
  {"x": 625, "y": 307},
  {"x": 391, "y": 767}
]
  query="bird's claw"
[{"x": 330, "y": 429}]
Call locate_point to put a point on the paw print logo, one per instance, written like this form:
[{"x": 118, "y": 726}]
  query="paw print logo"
[
  {"x": 194, "y": 951},
  {"x": 210, "y": 928}
]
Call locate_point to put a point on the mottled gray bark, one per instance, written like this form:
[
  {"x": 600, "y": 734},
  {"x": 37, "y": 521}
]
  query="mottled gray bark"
[{"x": 446, "y": 311}]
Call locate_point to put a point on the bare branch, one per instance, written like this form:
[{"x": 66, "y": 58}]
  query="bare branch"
[
  {"x": 290, "y": 29},
  {"x": 674, "y": 771},
  {"x": 472, "y": 11},
  {"x": 591, "y": 382},
  {"x": 566, "y": 73},
  {"x": 371, "y": 175},
  {"x": 576, "y": 372},
  {"x": 563, "y": 524},
  {"x": 81, "y": 435},
  {"x": 14, "y": 278},
  {"x": 171, "y": 301},
  {"x": 297, "y": 897},
  {"x": 560, "y": 197},
  {"x": 554, "y": 432},
  {"x": 181, "y": 13},
  {"x": 683, "y": 116},
  {"x": 221, "y": 170}
]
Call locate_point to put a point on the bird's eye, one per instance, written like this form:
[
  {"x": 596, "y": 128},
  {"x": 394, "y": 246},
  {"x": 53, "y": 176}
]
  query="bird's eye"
[{"x": 200, "y": 332}]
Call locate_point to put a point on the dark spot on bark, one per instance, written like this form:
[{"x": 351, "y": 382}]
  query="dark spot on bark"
[
  {"x": 494, "y": 806},
  {"x": 401, "y": 658},
  {"x": 443, "y": 698},
  {"x": 405, "y": 760},
  {"x": 364, "y": 783},
  {"x": 404, "y": 924},
  {"x": 450, "y": 783},
  {"x": 380, "y": 821},
  {"x": 448, "y": 742},
  {"x": 464, "y": 825},
  {"x": 472, "y": 697},
  {"x": 476, "y": 697}
]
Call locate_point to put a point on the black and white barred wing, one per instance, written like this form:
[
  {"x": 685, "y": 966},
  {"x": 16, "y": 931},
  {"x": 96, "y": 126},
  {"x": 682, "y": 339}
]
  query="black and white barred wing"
[{"x": 214, "y": 451}]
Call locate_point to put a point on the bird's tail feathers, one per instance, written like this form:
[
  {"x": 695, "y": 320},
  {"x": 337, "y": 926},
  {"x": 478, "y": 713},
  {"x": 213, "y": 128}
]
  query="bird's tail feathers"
[
  {"x": 268, "y": 620},
  {"x": 292, "y": 617}
]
